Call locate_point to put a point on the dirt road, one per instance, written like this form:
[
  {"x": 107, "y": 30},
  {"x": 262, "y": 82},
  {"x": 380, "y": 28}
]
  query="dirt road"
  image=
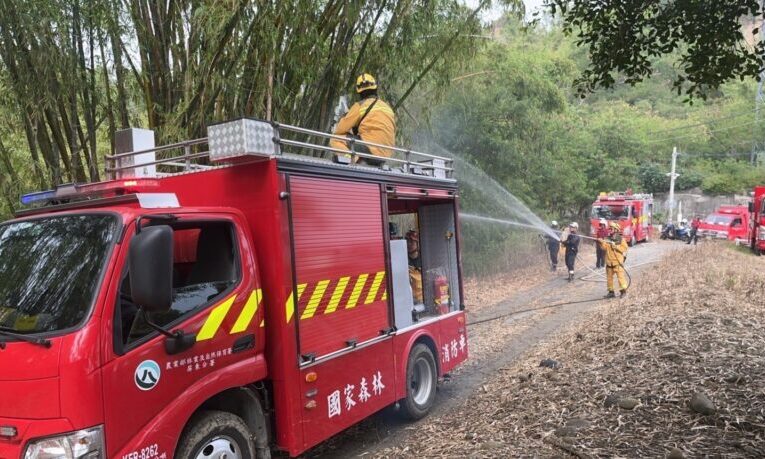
[{"x": 500, "y": 334}]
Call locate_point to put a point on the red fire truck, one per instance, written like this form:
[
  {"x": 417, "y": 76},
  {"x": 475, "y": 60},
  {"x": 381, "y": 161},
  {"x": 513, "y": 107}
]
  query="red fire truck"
[
  {"x": 757, "y": 209},
  {"x": 633, "y": 212},
  {"x": 727, "y": 222},
  {"x": 254, "y": 299}
]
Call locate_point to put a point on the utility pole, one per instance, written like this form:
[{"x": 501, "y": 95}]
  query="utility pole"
[
  {"x": 757, "y": 144},
  {"x": 672, "y": 176}
]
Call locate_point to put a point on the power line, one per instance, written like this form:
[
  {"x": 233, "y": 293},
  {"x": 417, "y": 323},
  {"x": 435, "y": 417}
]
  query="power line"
[
  {"x": 704, "y": 123},
  {"x": 709, "y": 132},
  {"x": 717, "y": 155}
]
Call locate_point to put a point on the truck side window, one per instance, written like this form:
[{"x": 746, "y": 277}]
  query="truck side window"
[{"x": 205, "y": 267}]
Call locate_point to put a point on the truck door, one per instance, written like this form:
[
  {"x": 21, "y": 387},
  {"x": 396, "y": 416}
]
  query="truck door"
[
  {"x": 342, "y": 312},
  {"x": 216, "y": 297}
]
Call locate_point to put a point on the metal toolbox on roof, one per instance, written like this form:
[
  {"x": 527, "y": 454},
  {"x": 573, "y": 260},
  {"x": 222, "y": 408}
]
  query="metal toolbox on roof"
[{"x": 241, "y": 138}]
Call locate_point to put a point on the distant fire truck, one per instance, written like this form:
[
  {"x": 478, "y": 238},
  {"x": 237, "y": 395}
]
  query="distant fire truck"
[
  {"x": 260, "y": 300},
  {"x": 757, "y": 209},
  {"x": 633, "y": 212},
  {"x": 727, "y": 222}
]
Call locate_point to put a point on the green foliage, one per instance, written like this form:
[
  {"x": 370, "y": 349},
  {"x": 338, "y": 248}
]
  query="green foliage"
[
  {"x": 624, "y": 40},
  {"x": 653, "y": 178},
  {"x": 515, "y": 116},
  {"x": 729, "y": 176}
]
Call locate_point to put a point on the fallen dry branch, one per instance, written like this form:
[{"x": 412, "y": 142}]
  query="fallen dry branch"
[{"x": 691, "y": 329}]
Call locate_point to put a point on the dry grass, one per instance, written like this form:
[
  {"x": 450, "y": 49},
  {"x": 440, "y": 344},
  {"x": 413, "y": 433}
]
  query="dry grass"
[
  {"x": 693, "y": 324},
  {"x": 485, "y": 292}
]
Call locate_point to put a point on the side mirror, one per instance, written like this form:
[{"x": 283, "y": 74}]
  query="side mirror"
[
  {"x": 751, "y": 207},
  {"x": 150, "y": 260}
]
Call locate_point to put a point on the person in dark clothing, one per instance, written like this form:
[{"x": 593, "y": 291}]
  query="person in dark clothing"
[
  {"x": 572, "y": 248},
  {"x": 553, "y": 245},
  {"x": 695, "y": 223},
  {"x": 413, "y": 249},
  {"x": 601, "y": 233}
]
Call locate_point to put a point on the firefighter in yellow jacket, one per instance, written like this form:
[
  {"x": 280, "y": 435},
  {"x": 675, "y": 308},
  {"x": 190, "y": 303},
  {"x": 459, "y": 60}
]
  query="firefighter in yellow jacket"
[
  {"x": 615, "y": 248},
  {"x": 369, "y": 119}
]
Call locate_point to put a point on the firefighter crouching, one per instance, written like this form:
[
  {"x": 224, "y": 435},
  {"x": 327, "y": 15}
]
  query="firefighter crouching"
[
  {"x": 615, "y": 248},
  {"x": 370, "y": 119}
]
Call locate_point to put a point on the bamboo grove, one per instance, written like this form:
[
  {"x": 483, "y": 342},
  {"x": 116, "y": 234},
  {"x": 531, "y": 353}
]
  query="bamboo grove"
[{"x": 74, "y": 71}]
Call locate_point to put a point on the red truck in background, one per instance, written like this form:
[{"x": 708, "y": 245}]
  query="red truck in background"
[
  {"x": 727, "y": 222},
  {"x": 261, "y": 302},
  {"x": 757, "y": 210},
  {"x": 633, "y": 212}
]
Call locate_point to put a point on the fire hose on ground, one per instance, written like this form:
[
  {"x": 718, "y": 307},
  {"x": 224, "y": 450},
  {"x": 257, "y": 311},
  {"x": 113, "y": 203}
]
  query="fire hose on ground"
[{"x": 566, "y": 303}]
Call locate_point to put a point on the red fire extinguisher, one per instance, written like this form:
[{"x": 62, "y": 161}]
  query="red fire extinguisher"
[{"x": 441, "y": 294}]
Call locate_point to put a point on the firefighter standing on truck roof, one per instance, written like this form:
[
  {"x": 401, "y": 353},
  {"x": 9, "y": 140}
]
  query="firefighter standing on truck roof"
[
  {"x": 572, "y": 248},
  {"x": 616, "y": 254},
  {"x": 370, "y": 119}
]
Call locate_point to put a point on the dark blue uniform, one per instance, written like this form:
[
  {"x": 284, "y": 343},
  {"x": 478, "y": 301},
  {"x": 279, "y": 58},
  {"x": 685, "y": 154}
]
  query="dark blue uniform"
[
  {"x": 553, "y": 245},
  {"x": 572, "y": 249}
]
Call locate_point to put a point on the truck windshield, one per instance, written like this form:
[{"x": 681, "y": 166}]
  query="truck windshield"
[
  {"x": 719, "y": 219},
  {"x": 50, "y": 270},
  {"x": 611, "y": 212}
]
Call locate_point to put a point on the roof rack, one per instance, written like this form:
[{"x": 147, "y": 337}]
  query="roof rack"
[
  {"x": 616, "y": 195},
  {"x": 228, "y": 142}
]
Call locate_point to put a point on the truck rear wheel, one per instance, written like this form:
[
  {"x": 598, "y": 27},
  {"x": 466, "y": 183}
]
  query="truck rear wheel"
[
  {"x": 216, "y": 435},
  {"x": 421, "y": 381}
]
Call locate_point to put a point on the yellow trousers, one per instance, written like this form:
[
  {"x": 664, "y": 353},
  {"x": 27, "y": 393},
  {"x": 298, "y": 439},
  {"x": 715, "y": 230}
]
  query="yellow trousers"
[{"x": 619, "y": 271}]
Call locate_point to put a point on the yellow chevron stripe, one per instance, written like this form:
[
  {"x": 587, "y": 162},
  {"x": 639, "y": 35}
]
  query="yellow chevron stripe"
[
  {"x": 262, "y": 323},
  {"x": 356, "y": 293},
  {"x": 337, "y": 294},
  {"x": 290, "y": 304},
  {"x": 384, "y": 295},
  {"x": 375, "y": 287},
  {"x": 215, "y": 319},
  {"x": 250, "y": 308},
  {"x": 316, "y": 297}
]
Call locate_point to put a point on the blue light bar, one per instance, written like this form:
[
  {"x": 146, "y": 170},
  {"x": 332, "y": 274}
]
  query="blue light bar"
[{"x": 38, "y": 196}]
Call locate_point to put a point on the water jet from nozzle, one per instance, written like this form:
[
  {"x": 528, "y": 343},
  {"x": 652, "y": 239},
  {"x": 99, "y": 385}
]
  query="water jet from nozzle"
[{"x": 500, "y": 204}]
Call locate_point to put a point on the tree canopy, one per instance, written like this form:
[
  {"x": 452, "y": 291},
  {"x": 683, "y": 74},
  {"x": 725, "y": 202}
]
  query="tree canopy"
[{"x": 624, "y": 38}]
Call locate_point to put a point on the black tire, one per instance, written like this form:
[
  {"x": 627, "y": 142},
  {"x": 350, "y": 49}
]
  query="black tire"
[
  {"x": 209, "y": 431},
  {"x": 421, "y": 382}
]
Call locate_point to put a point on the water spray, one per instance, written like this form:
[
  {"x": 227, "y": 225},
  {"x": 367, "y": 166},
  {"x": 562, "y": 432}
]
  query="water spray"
[{"x": 502, "y": 197}]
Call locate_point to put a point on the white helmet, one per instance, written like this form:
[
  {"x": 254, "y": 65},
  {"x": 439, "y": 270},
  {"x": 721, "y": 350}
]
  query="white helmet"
[
  {"x": 684, "y": 221},
  {"x": 574, "y": 225},
  {"x": 602, "y": 221},
  {"x": 554, "y": 223}
]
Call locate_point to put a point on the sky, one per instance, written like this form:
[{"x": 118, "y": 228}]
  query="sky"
[{"x": 495, "y": 12}]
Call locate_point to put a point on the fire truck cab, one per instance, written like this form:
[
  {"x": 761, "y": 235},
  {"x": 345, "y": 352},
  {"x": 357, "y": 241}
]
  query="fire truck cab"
[
  {"x": 727, "y": 222},
  {"x": 251, "y": 299},
  {"x": 633, "y": 212},
  {"x": 757, "y": 210}
]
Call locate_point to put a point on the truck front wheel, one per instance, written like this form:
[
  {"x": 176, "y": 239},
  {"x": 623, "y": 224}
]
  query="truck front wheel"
[
  {"x": 216, "y": 435},
  {"x": 421, "y": 379}
]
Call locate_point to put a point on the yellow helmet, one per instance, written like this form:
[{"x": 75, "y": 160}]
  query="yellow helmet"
[
  {"x": 616, "y": 227},
  {"x": 364, "y": 82}
]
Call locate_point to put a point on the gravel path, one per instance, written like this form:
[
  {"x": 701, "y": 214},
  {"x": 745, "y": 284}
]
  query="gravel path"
[{"x": 501, "y": 334}]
